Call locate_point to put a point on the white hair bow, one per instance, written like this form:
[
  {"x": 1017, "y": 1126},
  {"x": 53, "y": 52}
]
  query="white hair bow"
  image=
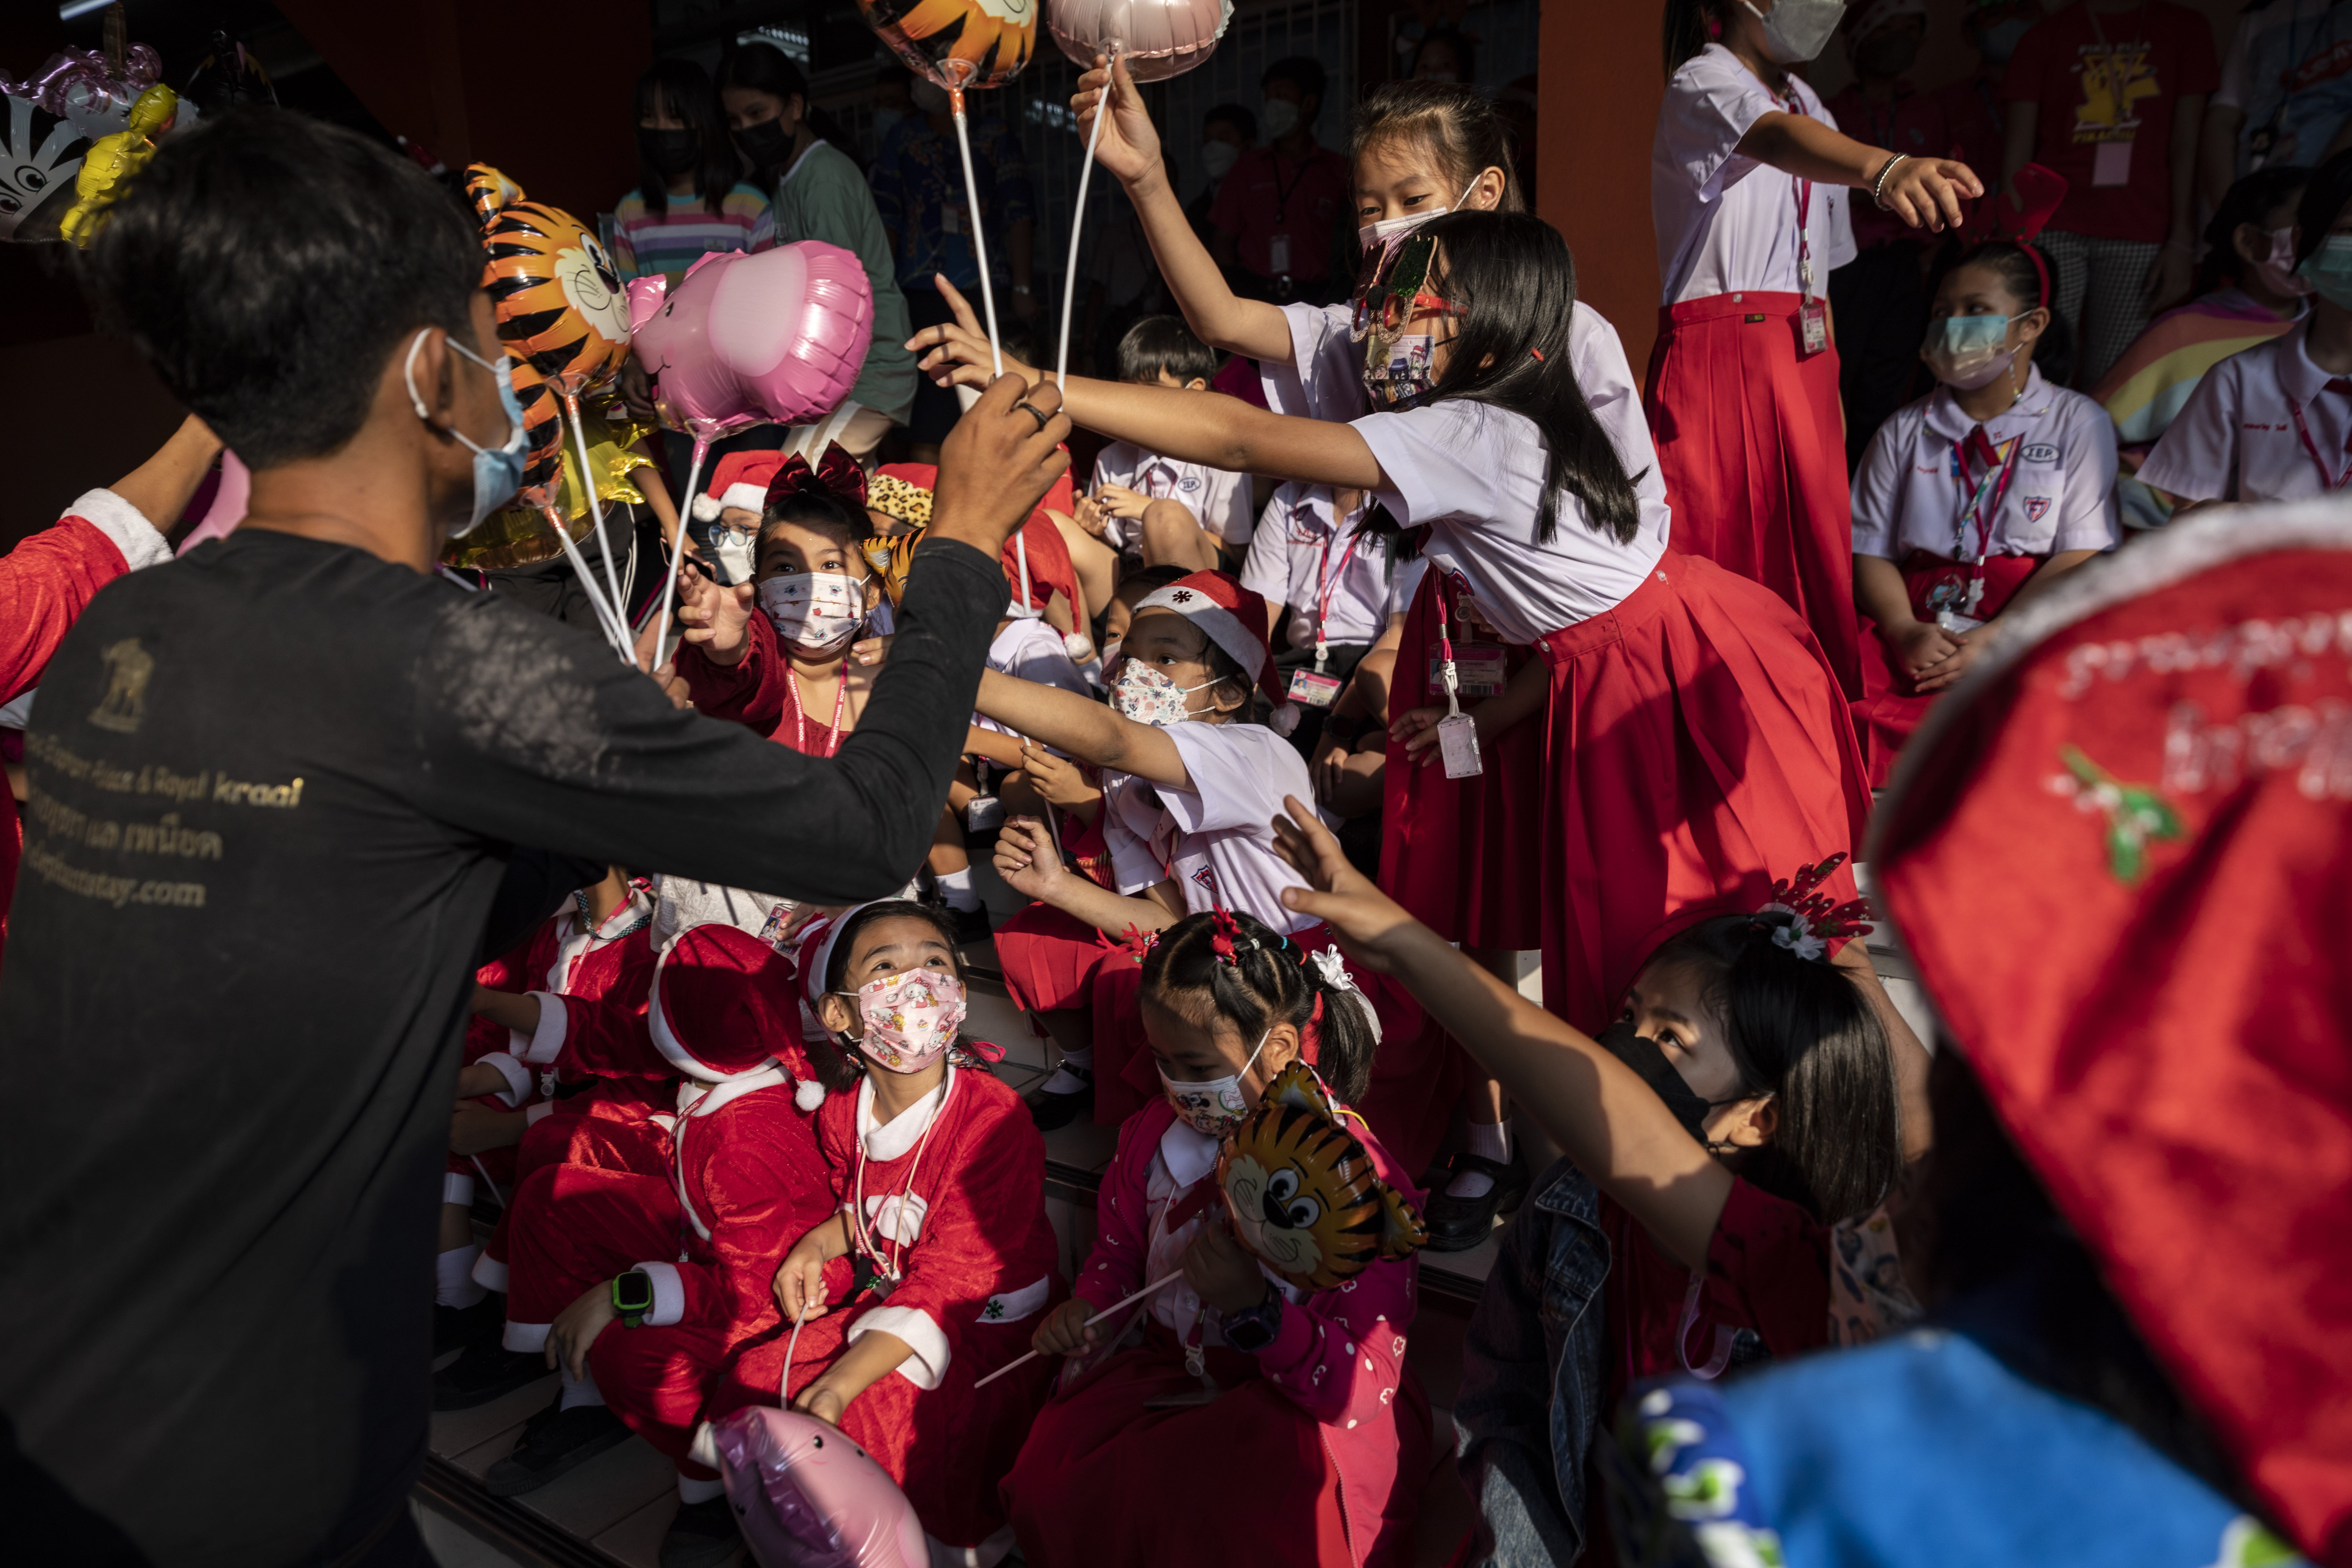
[{"x": 1333, "y": 968}]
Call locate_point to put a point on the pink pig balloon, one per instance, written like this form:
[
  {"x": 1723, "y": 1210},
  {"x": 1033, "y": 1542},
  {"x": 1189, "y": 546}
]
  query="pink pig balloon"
[
  {"x": 1161, "y": 38},
  {"x": 740, "y": 340},
  {"x": 810, "y": 1497}
]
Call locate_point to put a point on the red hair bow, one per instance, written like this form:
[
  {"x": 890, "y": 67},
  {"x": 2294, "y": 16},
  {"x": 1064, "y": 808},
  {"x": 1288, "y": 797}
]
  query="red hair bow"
[{"x": 837, "y": 474}]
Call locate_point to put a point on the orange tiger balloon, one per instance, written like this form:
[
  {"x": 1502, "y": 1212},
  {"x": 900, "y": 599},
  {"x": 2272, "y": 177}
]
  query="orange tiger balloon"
[
  {"x": 542, "y": 423},
  {"x": 561, "y": 308},
  {"x": 1303, "y": 1193},
  {"x": 957, "y": 43},
  {"x": 892, "y": 556}
]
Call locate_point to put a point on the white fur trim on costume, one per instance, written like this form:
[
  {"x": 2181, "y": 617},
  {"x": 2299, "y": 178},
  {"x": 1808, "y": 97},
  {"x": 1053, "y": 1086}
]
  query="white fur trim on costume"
[
  {"x": 1012, "y": 1306},
  {"x": 929, "y": 1365},
  {"x": 893, "y": 1138},
  {"x": 125, "y": 527},
  {"x": 808, "y": 1094},
  {"x": 16, "y": 713},
  {"x": 1220, "y": 625},
  {"x": 456, "y": 1188},
  {"x": 490, "y": 1274},
  {"x": 744, "y": 498},
  {"x": 704, "y": 1449},
  {"x": 706, "y": 509},
  {"x": 545, "y": 1041},
  {"x": 987, "y": 1554},
  {"x": 518, "y": 1077},
  {"x": 524, "y": 1338},
  {"x": 669, "y": 1295},
  {"x": 533, "y": 1115},
  {"x": 693, "y": 1489},
  {"x": 1284, "y": 720}
]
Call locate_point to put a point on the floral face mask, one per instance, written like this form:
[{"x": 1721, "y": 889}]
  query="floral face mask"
[
  {"x": 1149, "y": 697},
  {"x": 910, "y": 1019}
]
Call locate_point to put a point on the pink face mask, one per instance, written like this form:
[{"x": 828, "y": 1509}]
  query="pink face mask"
[{"x": 909, "y": 1019}]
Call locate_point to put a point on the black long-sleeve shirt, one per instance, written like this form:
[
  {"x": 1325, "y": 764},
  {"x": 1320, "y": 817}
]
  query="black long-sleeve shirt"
[{"x": 273, "y": 785}]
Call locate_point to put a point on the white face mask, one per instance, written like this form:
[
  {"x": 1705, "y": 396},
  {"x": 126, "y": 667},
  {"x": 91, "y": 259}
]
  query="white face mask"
[
  {"x": 1797, "y": 30},
  {"x": 1216, "y": 1106},
  {"x": 1376, "y": 235},
  {"x": 1968, "y": 352},
  {"x": 814, "y": 611},
  {"x": 1145, "y": 695},
  {"x": 1277, "y": 117},
  {"x": 2277, "y": 270},
  {"x": 1219, "y": 158},
  {"x": 734, "y": 551}
]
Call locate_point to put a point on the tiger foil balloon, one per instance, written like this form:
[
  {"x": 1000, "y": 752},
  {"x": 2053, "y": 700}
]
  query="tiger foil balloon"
[
  {"x": 957, "y": 43},
  {"x": 1303, "y": 1193},
  {"x": 560, "y": 306},
  {"x": 891, "y": 557}
]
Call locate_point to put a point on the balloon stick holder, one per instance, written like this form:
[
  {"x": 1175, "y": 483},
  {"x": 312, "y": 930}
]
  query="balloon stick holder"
[
  {"x": 1090, "y": 1323},
  {"x": 978, "y": 251},
  {"x": 604, "y": 621},
  {"x": 1078, "y": 218},
  {"x": 596, "y": 509},
  {"x": 677, "y": 546}
]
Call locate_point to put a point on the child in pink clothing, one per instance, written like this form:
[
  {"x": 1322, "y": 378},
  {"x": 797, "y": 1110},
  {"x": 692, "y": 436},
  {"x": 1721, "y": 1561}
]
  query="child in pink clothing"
[{"x": 1314, "y": 1403}]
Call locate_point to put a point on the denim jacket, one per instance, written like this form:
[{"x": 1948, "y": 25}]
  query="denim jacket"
[{"x": 1532, "y": 1378}]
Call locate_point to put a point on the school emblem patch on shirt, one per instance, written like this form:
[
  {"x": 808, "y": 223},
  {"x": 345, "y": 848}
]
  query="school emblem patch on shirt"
[
  {"x": 2035, "y": 506},
  {"x": 2040, "y": 452}
]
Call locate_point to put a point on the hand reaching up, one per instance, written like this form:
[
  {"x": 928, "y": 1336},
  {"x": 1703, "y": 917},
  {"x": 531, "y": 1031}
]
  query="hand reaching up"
[
  {"x": 1129, "y": 146},
  {"x": 999, "y": 460},
  {"x": 714, "y": 618},
  {"x": 1364, "y": 919},
  {"x": 1028, "y": 858}
]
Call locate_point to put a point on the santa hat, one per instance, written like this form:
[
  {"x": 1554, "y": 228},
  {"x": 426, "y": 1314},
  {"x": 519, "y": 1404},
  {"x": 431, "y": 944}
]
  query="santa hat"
[
  {"x": 1233, "y": 617},
  {"x": 738, "y": 479},
  {"x": 2117, "y": 853},
  {"x": 814, "y": 956},
  {"x": 723, "y": 1007}
]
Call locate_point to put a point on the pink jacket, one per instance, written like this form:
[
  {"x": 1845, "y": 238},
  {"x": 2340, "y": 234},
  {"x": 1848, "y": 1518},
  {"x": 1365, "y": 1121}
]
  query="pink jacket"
[{"x": 1340, "y": 1355}]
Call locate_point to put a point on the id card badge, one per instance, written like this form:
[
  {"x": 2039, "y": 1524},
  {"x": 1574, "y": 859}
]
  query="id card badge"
[
  {"x": 1480, "y": 668},
  {"x": 985, "y": 813},
  {"x": 1812, "y": 327},
  {"x": 779, "y": 922},
  {"x": 1277, "y": 253},
  {"x": 1312, "y": 690},
  {"x": 1457, "y": 743},
  {"x": 1953, "y": 621},
  {"x": 2111, "y": 164}
]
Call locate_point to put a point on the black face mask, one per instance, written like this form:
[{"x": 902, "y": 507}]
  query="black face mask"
[
  {"x": 673, "y": 152},
  {"x": 1643, "y": 1055},
  {"x": 1886, "y": 54},
  {"x": 766, "y": 143}
]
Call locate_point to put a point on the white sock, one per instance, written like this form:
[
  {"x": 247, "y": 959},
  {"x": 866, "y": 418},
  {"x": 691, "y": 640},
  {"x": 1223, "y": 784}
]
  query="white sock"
[
  {"x": 1489, "y": 1141},
  {"x": 956, "y": 887},
  {"x": 692, "y": 1491},
  {"x": 583, "y": 1392},
  {"x": 453, "y": 1273},
  {"x": 1064, "y": 1082}
]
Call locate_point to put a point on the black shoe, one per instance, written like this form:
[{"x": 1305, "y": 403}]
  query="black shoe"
[
  {"x": 1052, "y": 1108},
  {"x": 703, "y": 1535},
  {"x": 1458, "y": 1224},
  {"x": 454, "y": 1328},
  {"x": 486, "y": 1371},
  {"x": 553, "y": 1442}
]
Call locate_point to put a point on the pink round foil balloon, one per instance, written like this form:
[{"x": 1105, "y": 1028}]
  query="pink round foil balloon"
[
  {"x": 808, "y": 1496},
  {"x": 1160, "y": 38},
  {"x": 740, "y": 340}
]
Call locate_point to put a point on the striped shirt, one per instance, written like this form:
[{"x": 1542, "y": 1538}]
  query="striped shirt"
[{"x": 643, "y": 243}]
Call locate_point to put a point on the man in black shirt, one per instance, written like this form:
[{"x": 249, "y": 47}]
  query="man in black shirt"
[{"x": 274, "y": 786}]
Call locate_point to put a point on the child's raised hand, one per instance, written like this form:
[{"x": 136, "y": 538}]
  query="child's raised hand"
[
  {"x": 1363, "y": 917},
  {"x": 1059, "y": 781},
  {"x": 957, "y": 352},
  {"x": 1129, "y": 144},
  {"x": 1221, "y": 1270},
  {"x": 1064, "y": 1331},
  {"x": 799, "y": 1282},
  {"x": 1926, "y": 192},
  {"x": 1027, "y": 858},
  {"x": 714, "y": 617}
]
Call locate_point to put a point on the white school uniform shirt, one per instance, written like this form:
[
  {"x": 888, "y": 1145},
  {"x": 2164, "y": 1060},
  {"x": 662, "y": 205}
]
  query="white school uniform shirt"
[
  {"x": 1301, "y": 554},
  {"x": 1726, "y": 224},
  {"x": 1218, "y": 501},
  {"x": 1216, "y": 838},
  {"x": 2062, "y": 490},
  {"x": 1031, "y": 649},
  {"x": 2235, "y": 438}
]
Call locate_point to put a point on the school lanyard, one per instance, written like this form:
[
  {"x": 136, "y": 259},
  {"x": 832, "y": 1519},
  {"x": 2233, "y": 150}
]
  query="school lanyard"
[
  {"x": 2327, "y": 479},
  {"x": 867, "y": 1241},
  {"x": 1804, "y": 215},
  {"x": 840, "y": 698},
  {"x": 1985, "y": 504},
  {"x": 1328, "y": 583}
]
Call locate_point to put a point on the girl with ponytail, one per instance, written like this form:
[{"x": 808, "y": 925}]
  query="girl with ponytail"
[{"x": 1318, "y": 1436}]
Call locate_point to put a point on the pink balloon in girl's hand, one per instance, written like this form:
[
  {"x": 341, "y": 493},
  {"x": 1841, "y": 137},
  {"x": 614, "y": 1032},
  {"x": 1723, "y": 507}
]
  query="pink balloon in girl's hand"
[
  {"x": 1161, "y": 38},
  {"x": 808, "y": 1496},
  {"x": 775, "y": 338}
]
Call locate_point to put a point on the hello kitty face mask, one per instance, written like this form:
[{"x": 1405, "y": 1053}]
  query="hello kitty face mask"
[{"x": 910, "y": 1019}]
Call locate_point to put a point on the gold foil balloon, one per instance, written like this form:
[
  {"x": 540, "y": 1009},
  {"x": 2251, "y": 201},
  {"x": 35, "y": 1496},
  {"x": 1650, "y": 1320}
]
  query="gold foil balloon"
[
  {"x": 1302, "y": 1190},
  {"x": 525, "y": 536},
  {"x": 958, "y": 43}
]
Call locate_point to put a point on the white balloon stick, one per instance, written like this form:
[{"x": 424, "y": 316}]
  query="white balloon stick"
[
  {"x": 596, "y": 509},
  {"x": 978, "y": 251},
  {"x": 1078, "y": 220},
  {"x": 1090, "y": 1323},
  {"x": 677, "y": 547}
]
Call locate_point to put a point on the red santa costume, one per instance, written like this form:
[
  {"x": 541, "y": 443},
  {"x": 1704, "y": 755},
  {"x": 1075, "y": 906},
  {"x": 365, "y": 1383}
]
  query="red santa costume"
[
  {"x": 1215, "y": 841},
  {"x": 743, "y": 1183},
  {"x": 1743, "y": 384},
  {"x": 45, "y": 583},
  {"x": 1316, "y": 1448},
  {"x": 953, "y": 1188}
]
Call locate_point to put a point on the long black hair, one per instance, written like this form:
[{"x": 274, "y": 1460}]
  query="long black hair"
[
  {"x": 1684, "y": 31},
  {"x": 763, "y": 68},
  {"x": 1271, "y": 981},
  {"x": 838, "y": 1063},
  {"x": 2248, "y": 201},
  {"x": 1512, "y": 276},
  {"x": 1453, "y": 121},
  {"x": 2054, "y": 350},
  {"x": 1801, "y": 1030},
  {"x": 684, "y": 89},
  {"x": 2323, "y": 203}
]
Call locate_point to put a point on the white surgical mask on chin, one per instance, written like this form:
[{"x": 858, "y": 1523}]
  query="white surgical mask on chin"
[
  {"x": 1376, "y": 234},
  {"x": 1213, "y": 1108},
  {"x": 1797, "y": 30}
]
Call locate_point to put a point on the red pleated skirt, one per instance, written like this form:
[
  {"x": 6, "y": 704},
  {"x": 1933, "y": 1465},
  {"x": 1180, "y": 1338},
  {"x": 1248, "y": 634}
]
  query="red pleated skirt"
[
  {"x": 1751, "y": 444},
  {"x": 1697, "y": 747},
  {"x": 1454, "y": 852},
  {"x": 1889, "y": 710}
]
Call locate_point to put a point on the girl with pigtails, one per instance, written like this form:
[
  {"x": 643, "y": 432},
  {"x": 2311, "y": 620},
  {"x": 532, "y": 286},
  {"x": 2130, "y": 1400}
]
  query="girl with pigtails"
[{"x": 1309, "y": 1434}]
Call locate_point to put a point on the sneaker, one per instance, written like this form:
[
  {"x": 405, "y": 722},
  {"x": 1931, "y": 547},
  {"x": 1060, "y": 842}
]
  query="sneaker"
[
  {"x": 703, "y": 1535},
  {"x": 1051, "y": 1109},
  {"x": 486, "y": 1371},
  {"x": 553, "y": 1442},
  {"x": 1458, "y": 1224},
  {"x": 456, "y": 1326}
]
